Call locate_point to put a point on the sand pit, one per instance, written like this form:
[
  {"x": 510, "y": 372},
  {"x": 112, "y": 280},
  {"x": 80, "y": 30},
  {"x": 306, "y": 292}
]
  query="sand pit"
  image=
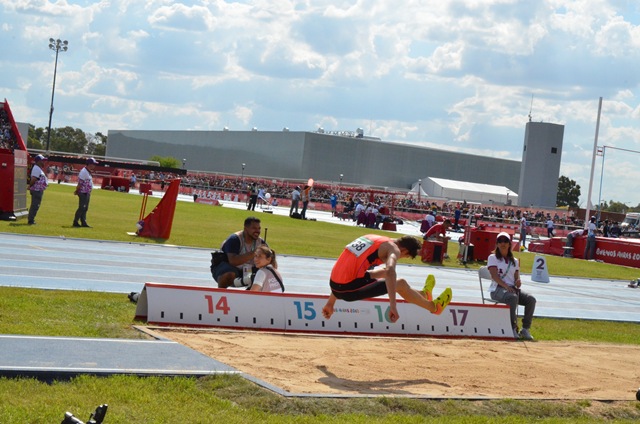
[{"x": 426, "y": 367}]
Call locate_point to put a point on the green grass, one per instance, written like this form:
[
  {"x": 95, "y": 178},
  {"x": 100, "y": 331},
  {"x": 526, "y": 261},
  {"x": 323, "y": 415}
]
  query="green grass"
[
  {"x": 65, "y": 313},
  {"x": 231, "y": 399}
]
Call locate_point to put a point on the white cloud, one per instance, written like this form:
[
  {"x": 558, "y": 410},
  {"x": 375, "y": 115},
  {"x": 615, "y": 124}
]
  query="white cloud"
[
  {"x": 244, "y": 114},
  {"x": 182, "y": 18},
  {"x": 617, "y": 38},
  {"x": 457, "y": 74}
]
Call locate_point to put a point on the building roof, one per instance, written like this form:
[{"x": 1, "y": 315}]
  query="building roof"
[{"x": 464, "y": 190}]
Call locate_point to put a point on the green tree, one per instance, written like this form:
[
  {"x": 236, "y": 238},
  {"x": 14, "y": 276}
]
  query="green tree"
[
  {"x": 68, "y": 139},
  {"x": 167, "y": 162},
  {"x": 617, "y": 207},
  {"x": 97, "y": 144},
  {"x": 568, "y": 192},
  {"x": 35, "y": 138}
]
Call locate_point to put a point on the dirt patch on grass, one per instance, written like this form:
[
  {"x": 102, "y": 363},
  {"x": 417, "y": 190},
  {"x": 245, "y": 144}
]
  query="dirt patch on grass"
[{"x": 424, "y": 367}]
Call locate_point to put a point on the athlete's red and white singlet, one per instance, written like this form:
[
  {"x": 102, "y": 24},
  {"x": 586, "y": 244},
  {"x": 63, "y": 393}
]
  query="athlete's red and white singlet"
[{"x": 356, "y": 259}]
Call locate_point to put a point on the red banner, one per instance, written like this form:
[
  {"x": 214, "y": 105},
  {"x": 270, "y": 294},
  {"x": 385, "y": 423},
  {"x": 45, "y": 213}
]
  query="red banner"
[{"x": 615, "y": 251}]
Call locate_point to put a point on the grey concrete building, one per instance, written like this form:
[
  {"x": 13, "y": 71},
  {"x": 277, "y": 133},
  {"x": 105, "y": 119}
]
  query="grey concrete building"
[{"x": 301, "y": 155}]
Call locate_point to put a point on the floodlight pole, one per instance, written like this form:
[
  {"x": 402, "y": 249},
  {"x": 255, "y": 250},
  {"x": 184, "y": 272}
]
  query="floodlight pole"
[
  {"x": 55, "y": 45},
  {"x": 593, "y": 161}
]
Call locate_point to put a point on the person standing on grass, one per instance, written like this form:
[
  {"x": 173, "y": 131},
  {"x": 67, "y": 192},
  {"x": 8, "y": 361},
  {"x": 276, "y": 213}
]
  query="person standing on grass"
[
  {"x": 590, "y": 245},
  {"x": 523, "y": 231},
  {"x": 306, "y": 196},
  {"x": 83, "y": 191},
  {"x": 253, "y": 197},
  {"x": 295, "y": 199},
  {"x": 37, "y": 185},
  {"x": 354, "y": 277},
  {"x": 550, "y": 227},
  {"x": 333, "y": 199}
]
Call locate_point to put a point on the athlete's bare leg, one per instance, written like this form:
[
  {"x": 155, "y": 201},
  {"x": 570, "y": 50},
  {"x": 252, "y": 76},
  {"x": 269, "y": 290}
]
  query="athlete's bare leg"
[
  {"x": 413, "y": 296},
  {"x": 417, "y": 298},
  {"x": 327, "y": 310}
]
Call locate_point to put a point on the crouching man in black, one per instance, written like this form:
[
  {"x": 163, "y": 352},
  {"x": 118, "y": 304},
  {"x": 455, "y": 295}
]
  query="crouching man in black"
[{"x": 237, "y": 267}]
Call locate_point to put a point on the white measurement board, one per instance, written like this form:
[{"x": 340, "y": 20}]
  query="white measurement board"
[{"x": 191, "y": 306}]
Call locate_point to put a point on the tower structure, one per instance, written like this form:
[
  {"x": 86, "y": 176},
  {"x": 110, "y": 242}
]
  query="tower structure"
[{"x": 540, "y": 170}]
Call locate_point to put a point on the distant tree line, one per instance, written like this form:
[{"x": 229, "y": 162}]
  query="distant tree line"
[
  {"x": 69, "y": 140},
  {"x": 569, "y": 193}
]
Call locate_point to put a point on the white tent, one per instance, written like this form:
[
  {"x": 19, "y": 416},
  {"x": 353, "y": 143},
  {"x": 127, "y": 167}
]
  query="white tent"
[
  {"x": 417, "y": 188},
  {"x": 471, "y": 192}
]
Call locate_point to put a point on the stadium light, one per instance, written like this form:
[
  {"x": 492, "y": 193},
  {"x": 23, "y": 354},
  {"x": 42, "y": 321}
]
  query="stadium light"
[{"x": 55, "y": 45}]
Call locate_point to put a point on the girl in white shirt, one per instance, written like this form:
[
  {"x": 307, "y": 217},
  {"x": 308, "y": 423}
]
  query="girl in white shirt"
[
  {"x": 505, "y": 285},
  {"x": 267, "y": 278}
]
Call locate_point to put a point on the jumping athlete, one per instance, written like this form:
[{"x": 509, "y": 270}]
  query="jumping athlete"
[{"x": 354, "y": 277}]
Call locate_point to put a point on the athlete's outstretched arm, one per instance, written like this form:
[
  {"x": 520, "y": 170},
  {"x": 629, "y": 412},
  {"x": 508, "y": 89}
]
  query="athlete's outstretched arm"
[{"x": 390, "y": 253}]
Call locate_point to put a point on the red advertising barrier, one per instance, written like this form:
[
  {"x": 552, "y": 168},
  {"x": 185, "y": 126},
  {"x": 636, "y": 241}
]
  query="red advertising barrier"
[
  {"x": 213, "y": 202},
  {"x": 617, "y": 251},
  {"x": 115, "y": 183},
  {"x": 497, "y": 227},
  {"x": 612, "y": 250}
]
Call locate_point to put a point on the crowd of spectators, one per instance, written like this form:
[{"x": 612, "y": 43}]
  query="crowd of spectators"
[
  {"x": 614, "y": 229},
  {"x": 349, "y": 197},
  {"x": 400, "y": 203},
  {"x": 7, "y": 138}
]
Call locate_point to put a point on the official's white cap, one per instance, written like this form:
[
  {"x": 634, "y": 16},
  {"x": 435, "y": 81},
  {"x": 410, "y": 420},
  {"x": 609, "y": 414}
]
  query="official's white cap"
[{"x": 503, "y": 234}]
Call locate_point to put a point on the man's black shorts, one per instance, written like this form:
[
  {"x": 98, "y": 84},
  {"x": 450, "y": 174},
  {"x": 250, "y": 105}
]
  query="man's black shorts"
[
  {"x": 360, "y": 288},
  {"x": 224, "y": 268}
]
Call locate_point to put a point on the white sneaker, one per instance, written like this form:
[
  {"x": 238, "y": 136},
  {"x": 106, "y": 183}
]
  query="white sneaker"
[{"x": 525, "y": 334}]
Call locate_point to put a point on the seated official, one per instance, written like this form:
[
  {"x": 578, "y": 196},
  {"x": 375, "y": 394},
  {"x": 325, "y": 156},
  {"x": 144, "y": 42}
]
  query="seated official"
[
  {"x": 505, "y": 286},
  {"x": 267, "y": 278}
]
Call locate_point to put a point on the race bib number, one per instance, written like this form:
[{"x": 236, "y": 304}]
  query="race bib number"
[{"x": 359, "y": 246}]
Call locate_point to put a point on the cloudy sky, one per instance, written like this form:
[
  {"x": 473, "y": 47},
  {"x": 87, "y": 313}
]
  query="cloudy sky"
[{"x": 459, "y": 75}]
